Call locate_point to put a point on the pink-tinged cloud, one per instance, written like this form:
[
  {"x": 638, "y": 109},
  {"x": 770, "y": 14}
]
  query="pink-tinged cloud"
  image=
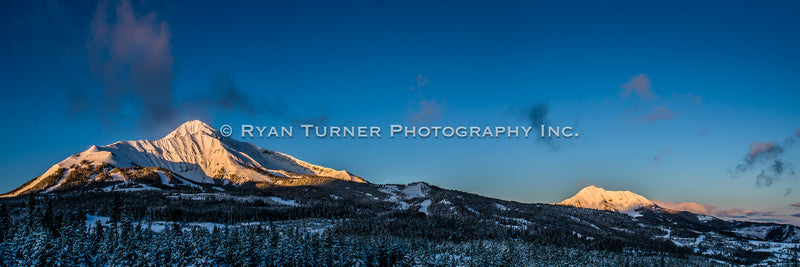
[
  {"x": 661, "y": 113},
  {"x": 760, "y": 148},
  {"x": 639, "y": 85},
  {"x": 765, "y": 150},
  {"x": 687, "y": 206},
  {"x": 741, "y": 213},
  {"x": 422, "y": 80},
  {"x": 737, "y": 213},
  {"x": 131, "y": 56},
  {"x": 768, "y": 156},
  {"x": 796, "y": 205},
  {"x": 428, "y": 111}
]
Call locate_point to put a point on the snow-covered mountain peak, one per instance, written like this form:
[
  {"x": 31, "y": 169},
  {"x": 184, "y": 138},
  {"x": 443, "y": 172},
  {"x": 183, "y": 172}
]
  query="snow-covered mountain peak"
[
  {"x": 592, "y": 197},
  {"x": 192, "y": 127},
  {"x": 195, "y": 153}
]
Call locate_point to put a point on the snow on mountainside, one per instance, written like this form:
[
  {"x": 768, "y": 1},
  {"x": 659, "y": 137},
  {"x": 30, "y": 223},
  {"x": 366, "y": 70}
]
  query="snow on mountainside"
[
  {"x": 592, "y": 197},
  {"x": 194, "y": 151}
]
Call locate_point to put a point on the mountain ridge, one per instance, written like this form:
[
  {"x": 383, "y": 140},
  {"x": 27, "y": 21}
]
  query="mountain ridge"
[
  {"x": 194, "y": 152},
  {"x": 196, "y": 174}
]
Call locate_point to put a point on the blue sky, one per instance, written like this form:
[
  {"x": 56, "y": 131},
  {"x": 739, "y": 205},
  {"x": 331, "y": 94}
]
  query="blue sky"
[{"x": 669, "y": 98}]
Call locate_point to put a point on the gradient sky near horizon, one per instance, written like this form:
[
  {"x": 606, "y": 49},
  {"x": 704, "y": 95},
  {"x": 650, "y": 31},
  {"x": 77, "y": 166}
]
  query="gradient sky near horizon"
[{"x": 669, "y": 98}]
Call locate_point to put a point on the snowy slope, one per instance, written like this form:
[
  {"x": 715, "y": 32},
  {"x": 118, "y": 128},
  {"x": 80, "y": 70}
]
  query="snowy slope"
[
  {"x": 197, "y": 152},
  {"x": 592, "y": 197}
]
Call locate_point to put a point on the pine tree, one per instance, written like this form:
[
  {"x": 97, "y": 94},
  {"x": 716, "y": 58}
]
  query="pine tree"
[
  {"x": 5, "y": 223},
  {"x": 48, "y": 218},
  {"x": 32, "y": 212},
  {"x": 116, "y": 208}
]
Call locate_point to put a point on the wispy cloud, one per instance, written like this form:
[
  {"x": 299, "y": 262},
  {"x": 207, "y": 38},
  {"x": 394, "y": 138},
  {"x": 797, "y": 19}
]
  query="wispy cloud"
[
  {"x": 736, "y": 213},
  {"x": 225, "y": 95},
  {"x": 744, "y": 213},
  {"x": 687, "y": 206},
  {"x": 537, "y": 114},
  {"x": 130, "y": 55},
  {"x": 424, "y": 110},
  {"x": 422, "y": 80},
  {"x": 768, "y": 157},
  {"x": 639, "y": 85},
  {"x": 661, "y": 113},
  {"x": 796, "y": 205},
  {"x": 650, "y": 107},
  {"x": 428, "y": 111},
  {"x": 658, "y": 158},
  {"x": 131, "y": 60}
]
